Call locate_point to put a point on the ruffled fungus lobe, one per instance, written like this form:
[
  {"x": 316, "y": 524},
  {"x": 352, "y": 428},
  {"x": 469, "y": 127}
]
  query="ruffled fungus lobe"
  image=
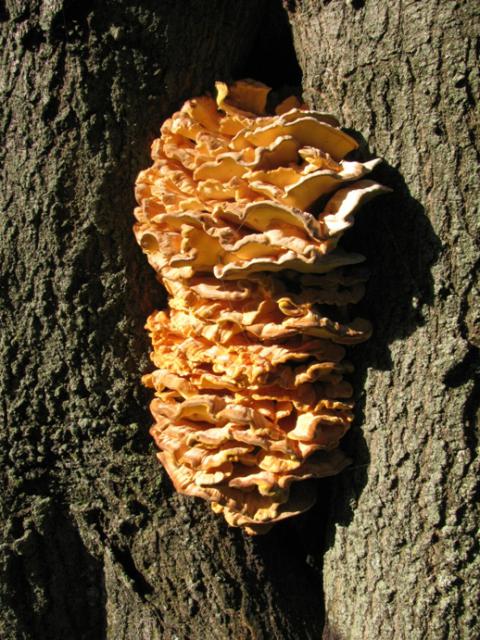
[{"x": 240, "y": 216}]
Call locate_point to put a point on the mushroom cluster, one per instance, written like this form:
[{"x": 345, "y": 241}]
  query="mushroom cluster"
[{"x": 240, "y": 216}]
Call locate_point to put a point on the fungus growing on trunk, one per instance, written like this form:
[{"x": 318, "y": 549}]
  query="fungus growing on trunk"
[{"x": 240, "y": 216}]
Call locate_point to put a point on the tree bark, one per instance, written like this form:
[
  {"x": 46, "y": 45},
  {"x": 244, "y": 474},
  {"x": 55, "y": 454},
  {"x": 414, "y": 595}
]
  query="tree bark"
[
  {"x": 402, "y": 554},
  {"x": 95, "y": 543}
]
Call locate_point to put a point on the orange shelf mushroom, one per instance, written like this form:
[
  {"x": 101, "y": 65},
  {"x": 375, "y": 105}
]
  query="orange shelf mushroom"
[{"x": 240, "y": 216}]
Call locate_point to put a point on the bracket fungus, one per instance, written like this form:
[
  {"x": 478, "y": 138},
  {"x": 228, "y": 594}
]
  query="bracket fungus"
[{"x": 240, "y": 216}]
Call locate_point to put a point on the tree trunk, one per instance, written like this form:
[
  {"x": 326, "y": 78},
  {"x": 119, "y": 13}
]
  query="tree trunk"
[
  {"x": 402, "y": 557},
  {"x": 95, "y": 543}
]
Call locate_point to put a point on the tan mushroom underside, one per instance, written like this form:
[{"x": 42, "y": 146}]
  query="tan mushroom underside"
[{"x": 240, "y": 216}]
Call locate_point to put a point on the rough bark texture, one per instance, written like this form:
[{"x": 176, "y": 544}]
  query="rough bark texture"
[
  {"x": 402, "y": 558},
  {"x": 94, "y": 542}
]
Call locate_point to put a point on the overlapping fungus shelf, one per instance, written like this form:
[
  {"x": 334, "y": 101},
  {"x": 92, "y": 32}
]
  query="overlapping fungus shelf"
[{"x": 240, "y": 215}]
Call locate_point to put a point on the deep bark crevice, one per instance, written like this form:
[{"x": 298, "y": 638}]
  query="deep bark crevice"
[{"x": 272, "y": 58}]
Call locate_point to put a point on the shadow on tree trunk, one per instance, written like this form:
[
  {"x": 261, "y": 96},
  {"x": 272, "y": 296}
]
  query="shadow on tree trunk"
[
  {"x": 392, "y": 233},
  {"x": 57, "y": 586}
]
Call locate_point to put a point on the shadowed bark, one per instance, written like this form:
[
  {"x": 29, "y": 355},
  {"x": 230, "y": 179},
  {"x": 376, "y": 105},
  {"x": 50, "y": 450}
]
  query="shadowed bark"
[{"x": 95, "y": 543}]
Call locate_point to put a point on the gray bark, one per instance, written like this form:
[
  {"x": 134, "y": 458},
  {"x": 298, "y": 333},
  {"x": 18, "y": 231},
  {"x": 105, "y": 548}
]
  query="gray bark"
[
  {"x": 94, "y": 542},
  {"x": 402, "y": 552}
]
